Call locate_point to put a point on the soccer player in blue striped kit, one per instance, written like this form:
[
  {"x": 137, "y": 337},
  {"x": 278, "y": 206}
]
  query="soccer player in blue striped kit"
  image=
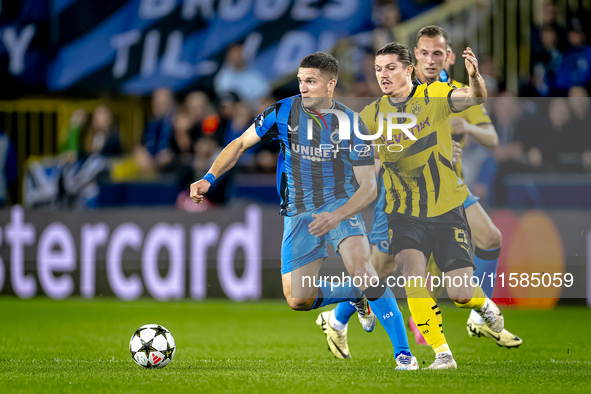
[{"x": 324, "y": 183}]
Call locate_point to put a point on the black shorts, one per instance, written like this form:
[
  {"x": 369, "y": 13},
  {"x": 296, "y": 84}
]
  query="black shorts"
[{"x": 446, "y": 236}]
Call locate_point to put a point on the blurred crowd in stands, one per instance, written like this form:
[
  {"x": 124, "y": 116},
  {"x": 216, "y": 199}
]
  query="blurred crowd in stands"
[
  {"x": 179, "y": 143},
  {"x": 536, "y": 136},
  {"x": 186, "y": 133},
  {"x": 560, "y": 54}
]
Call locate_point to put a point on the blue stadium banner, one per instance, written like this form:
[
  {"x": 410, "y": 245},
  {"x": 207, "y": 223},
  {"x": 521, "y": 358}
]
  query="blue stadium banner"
[
  {"x": 135, "y": 46},
  {"x": 25, "y": 42}
]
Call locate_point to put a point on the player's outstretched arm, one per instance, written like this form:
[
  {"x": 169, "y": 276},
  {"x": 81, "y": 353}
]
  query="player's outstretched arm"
[
  {"x": 485, "y": 134},
  {"x": 224, "y": 162},
  {"x": 365, "y": 195},
  {"x": 464, "y": 98}
]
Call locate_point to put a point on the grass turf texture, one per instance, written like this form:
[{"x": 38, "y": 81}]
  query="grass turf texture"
[{"x": 82, "y": 346}]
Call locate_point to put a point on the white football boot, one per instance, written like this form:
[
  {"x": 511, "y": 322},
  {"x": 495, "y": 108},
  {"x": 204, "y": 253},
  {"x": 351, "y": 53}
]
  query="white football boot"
[
  {"x": 366, "y": 316},
  {"x": 443, "y": 360},
  {"x": 406, "y": 363},
  {"x": 336, "y": 339},
  {"x": 503, "y": 338}
]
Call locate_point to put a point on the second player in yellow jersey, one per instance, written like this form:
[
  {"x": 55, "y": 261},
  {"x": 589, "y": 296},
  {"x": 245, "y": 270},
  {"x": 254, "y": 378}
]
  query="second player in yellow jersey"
[
  {"x": 475, "y": 115},
  {"x": 425, "y": 197},
  {"x": 419, "y": 176}
]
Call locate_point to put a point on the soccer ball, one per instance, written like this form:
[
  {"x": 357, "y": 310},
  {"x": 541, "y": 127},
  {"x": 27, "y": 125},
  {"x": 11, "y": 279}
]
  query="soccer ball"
[{"x": 152, "y": 346}]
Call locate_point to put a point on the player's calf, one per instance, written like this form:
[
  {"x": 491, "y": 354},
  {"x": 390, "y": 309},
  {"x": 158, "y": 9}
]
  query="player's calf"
[
  {"x": 485, "y": 234},
  {"x": 490, "y": 238}
]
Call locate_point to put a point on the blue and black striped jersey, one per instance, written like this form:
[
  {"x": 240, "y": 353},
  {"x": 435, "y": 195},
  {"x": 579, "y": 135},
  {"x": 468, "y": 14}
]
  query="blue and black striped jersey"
[
  {"x": 313, "y": 172},
  {"x": 381, "y": 198}
]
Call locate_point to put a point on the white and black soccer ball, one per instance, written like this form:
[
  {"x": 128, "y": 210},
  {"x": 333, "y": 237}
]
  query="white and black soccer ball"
[{"x": 152, "y": 346}]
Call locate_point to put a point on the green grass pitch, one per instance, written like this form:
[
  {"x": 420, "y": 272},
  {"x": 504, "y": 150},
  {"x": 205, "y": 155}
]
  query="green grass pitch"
[{"x": 82, "y": 346}]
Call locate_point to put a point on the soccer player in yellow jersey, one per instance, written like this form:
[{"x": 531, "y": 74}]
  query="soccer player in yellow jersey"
[
  {"x": 425, "y": 197},
  {"x": 434, "y": 57}
]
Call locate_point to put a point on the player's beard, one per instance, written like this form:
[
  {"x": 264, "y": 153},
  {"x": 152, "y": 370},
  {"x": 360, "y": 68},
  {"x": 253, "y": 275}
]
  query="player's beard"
[
  {"x": 316, "y": 103},
  {"x": 309, "y": 102}
]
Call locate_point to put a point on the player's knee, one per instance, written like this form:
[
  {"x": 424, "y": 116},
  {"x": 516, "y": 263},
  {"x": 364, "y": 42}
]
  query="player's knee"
[
  {"x": 299, "y": 298},
  {"x": 384, "y": 269},
  {"x": 461, "y": 300},
  {"x": 300, "y": 304},
  {"x": 409, "y": 267},
  {"x": 461, "y": 295},
  {"x": 360, "y": 272},
  {"x": 364, "y": 271}
]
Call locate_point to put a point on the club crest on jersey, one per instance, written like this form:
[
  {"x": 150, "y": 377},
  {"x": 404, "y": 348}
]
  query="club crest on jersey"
[
  {"x": 416, "y": 109},
  {"x": 335, "y": 137},
  {"x": 461, "y": 236}
]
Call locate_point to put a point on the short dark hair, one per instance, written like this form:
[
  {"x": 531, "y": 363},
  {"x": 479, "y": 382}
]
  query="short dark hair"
[
  {"x": 401, "y": 50},
  {"x": 322, "y": 61},
  {"x": 431, "y": 31}
]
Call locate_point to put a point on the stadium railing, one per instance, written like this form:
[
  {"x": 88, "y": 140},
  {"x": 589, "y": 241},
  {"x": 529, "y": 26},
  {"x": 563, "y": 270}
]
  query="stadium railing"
[{"x": 35, "y": 125}]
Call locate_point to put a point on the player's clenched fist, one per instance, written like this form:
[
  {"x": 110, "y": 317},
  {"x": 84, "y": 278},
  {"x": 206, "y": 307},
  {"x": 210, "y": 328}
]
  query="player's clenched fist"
[{"x": 198, "y": 189}]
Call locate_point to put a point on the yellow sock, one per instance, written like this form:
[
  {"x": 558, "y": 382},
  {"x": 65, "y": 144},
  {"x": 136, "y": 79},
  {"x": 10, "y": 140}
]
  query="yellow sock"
[
  {"x": 432, "y": 271},
  {"x": 441, "y": 349},
  {"x": 439, "y": 318},
  {"x": 426, "y": 314},
  {"x": 477, "y": 301}
]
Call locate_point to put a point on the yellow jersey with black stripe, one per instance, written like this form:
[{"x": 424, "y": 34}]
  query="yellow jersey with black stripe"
[
  {"x": 418, "y": 176},
  {"x": 476, "y": 115}
]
